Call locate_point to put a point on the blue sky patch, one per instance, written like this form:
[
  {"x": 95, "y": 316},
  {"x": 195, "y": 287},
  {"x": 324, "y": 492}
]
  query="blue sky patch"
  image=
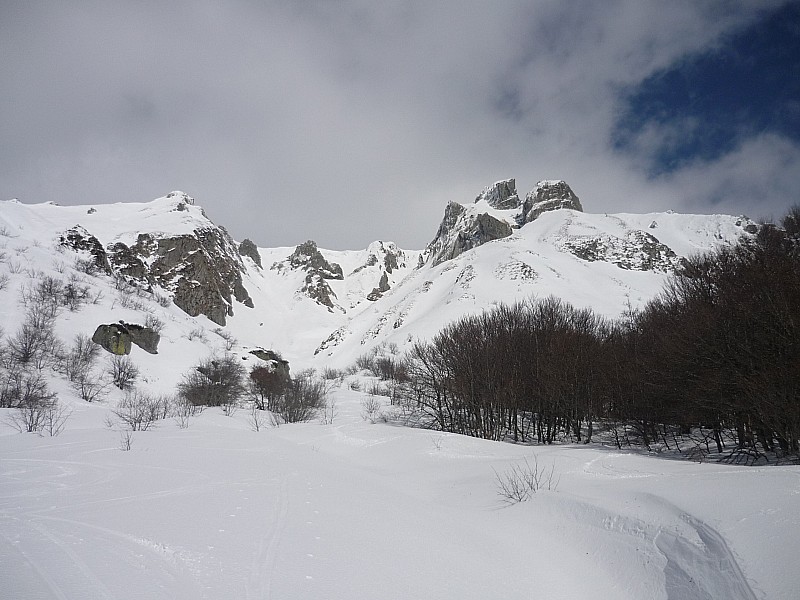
[{"x": 705, "y": 105}]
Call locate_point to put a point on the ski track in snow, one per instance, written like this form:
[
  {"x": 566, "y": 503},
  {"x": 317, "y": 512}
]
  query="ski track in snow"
[{"x": 263, "y": 568}]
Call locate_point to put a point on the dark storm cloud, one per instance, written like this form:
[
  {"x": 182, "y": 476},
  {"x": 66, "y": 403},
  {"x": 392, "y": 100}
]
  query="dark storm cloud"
[{"x": 354, "y": 120}]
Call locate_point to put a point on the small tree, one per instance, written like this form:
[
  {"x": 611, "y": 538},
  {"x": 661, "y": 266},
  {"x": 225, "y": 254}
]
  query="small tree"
[
  {"x": 79, "y": 358},
  {"x": 35, "y": 403},
  {"x": 266, "y": 386},
  {"x": 138, "y": 411},
  {"x": 303, "y": 398}
]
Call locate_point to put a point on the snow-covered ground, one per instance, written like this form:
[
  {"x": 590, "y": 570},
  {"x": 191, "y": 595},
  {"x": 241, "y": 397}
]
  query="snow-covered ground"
[
  {"x": 360, "y": 510},
  {"x": 353, "y": 509}
]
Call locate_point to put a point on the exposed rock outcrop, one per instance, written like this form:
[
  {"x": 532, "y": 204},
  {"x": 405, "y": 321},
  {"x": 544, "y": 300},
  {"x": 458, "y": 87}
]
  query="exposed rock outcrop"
[
  {"x": 117, "y": 338},
  {"x": 274, "y": 361},
  {"x": 388, "y": 253},
  {"x": 501, "y": 195},
  {"x": 383, "y": 286},
  {"x": 637, "y": 251},
  {"x": 548, "y": 195},
  {"x": 80, "y": 240},
  {"x": 307, "y": 257},
  {"x": 127, "y": 263},
  {"x": 462, "y": 229},
  {"x": 249, "y": 249},
  {"x": 204, "y": 270}
]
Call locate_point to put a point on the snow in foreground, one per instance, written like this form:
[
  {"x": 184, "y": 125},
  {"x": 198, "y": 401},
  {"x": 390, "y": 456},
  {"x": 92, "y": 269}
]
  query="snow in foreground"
[{"x": 356, "y": 510}]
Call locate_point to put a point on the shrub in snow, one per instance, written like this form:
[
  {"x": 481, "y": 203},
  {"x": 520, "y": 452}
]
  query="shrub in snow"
[
  {"x": 122, "y": 371},
  {"x": 520, "y": 482},
  {"x": 216, "y": 381}
]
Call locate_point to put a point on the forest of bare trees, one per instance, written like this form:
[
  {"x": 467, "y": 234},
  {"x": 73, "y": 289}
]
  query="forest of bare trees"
[{"x": 717, "y": 352}]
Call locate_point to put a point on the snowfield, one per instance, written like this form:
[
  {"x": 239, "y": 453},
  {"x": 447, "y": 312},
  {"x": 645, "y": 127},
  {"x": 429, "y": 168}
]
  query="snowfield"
[
  {"x": 359, "y": 510},
  {"x": 352, "y": 509}
]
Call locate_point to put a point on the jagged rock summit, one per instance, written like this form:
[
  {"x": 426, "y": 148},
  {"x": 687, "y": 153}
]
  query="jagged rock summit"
[
  {"x": 501, "y": 195},
  {"x": 497, "y": 210}
]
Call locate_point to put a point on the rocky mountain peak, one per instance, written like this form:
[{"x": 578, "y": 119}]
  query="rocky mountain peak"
[
  {"x": 462, "y": 229},
  {"x": 181, "y": 198},
  {"x": 548, "y": 195},
  {"x": 501, "y": 195},
  {"x": 307, "y": 257}
]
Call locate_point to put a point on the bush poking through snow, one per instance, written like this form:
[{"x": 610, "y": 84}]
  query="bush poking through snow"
[
  {"x": 520, "y": 482},
  {"x": 122, "y": 371},
  {"x": 228, "y": 338},
  {"x": 216, "y": 381},
  {"x": 304, "y": 397},
  {"x": 138, "y": 411},
  {"x": 183, "y": 410},
  {"x": 371, "y": 409},
  {"x": 79, "y": 358},
  {"x": 125, "y": 440},
  {"x": 260, "y": 419}
]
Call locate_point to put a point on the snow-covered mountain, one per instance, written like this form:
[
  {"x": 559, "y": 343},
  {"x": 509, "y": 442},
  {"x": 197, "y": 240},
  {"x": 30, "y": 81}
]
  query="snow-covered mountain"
[
  {"x": 325, "y": 307},
  {"x": 345, "y": 507}
]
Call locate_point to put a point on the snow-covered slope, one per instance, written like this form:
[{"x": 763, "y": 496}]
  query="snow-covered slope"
[
  {"x": 346, "y": 508},
  {"x": 353, "y": 510}
]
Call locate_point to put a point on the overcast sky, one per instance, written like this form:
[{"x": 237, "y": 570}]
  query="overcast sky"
[{"x": 355, "y": 120}]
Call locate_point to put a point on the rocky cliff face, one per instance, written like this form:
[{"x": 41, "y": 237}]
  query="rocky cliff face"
[
  {"x": 462, "y": 229},
  {"x": 501, "y": 195},
  {"x": 203, "y": 269},
  {"x": 548, "y": 195},
  {"x": 466, "y": 227},
  {"x": 636, "y": 251}
]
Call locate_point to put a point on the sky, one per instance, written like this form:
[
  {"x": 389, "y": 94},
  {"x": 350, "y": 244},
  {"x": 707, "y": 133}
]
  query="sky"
[{"x": 350, "y": 121}]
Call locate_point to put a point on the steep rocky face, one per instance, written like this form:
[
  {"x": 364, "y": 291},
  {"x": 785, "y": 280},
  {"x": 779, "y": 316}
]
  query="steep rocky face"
[
  {"x": 462, "y": 229},
  {"x": 79, "y": 239},
  {"x": 501, "y": 195},
  {"x": 548, "y": 195},
  {"x": 126, "y": 262},
  {"x": 203, "y": 270},
  {"x": 249, "y": 249},
  {"x": 307, "y": 257},
  {"x": 383, "y": 286}
]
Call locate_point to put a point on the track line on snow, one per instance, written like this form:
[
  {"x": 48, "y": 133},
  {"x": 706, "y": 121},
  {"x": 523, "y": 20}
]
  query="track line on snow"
[
  {"x": 262, "y": 569},
  {"x": 40, "y": 571},
  {"x": 95, "y": 582}
]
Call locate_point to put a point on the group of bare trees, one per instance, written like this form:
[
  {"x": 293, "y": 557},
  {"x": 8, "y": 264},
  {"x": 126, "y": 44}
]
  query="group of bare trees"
[
  {"x": 721, "y": 346},
  {"x": 223, "y": 381},
  {"x": 525, "y": 372},
  {"x": 718, "y": 350}
]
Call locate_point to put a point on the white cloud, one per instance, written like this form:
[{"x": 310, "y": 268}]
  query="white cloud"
[{"x": 343, "y": 121}]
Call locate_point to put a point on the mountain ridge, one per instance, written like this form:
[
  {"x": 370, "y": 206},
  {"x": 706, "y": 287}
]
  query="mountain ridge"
[{"x": 322, "y": 306}]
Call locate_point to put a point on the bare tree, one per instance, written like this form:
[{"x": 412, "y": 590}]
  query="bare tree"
[
  {"x": 216, "y": 381},
  {"x": 138, "y": 411},
  {"x": 304, "y": 397},
  {"x": 122, "y": 371}
]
